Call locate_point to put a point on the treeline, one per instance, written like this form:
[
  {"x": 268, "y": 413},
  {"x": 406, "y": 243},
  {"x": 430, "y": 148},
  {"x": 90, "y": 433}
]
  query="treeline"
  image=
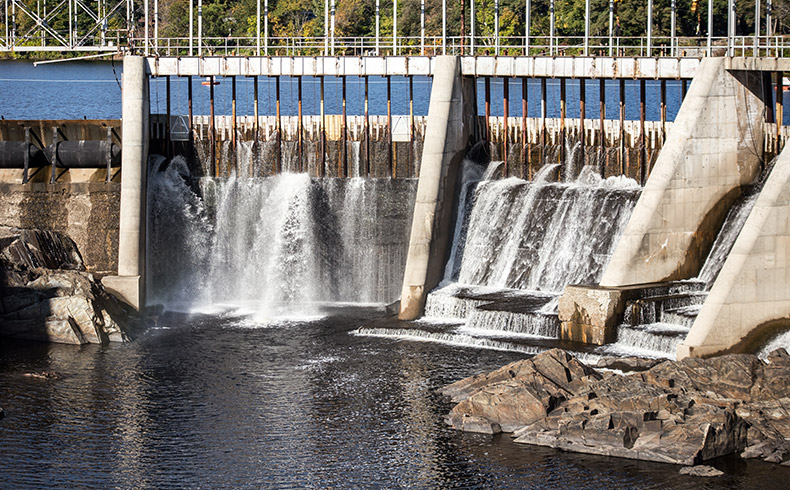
[{"x": 356, "y": 18}]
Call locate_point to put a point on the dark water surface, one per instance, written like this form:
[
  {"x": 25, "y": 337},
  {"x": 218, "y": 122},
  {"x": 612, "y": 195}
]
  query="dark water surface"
[{"x": 213, "y": 402}]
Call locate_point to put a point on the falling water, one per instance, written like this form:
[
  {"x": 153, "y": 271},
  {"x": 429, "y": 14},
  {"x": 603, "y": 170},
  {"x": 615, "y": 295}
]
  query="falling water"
[{"x": 276, "y": 244}]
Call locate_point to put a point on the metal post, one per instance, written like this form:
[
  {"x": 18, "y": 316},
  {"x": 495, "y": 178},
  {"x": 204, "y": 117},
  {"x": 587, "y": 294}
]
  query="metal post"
[
  {"x": 343, "y": 171},
  {"x": 551, "y": 27},
  {"x": 378, "y": 18},
  {"x": 602, "y": 104},
  {"x": 756, "y": 28},
  {"x": 525, "y": 153},
  {"x": 191, "y": 26},
  {"x": 212, "y": 134},
  {"x": 729, "y": 27},
  {"x": 189, "y": 105},
  {"x": 411, "y": 128},
  {"x": 146, "y": 25},
  {"x": 623, "y": 166},
  {"x": 323, "y": 132},
  {"x": 168, "y": 153},
  {"x": 299, "y": 122},
  {"x": 156, "y": 26},
  {"x": 642, "y": 140},
  {"x": 769, "y": 10},
  {"x": 395, "y": 28},
  {"x": 266, "y": 28},
  {"x": 582, "y": 103},
  {"x": 326, "y": 27},
  {"x": 233, "y": 117},
  {"x": 586, "y": 29},
  {"x": 496, "y": 27},
  {"x": 611, "y": 27},
  {"x": 543, "y": 112},
  {"x": 393, "y": 169},
  {"x": 257, "y": 28},
  {"x": 505, "y": 111},
  {"x": 488, "y": 110},
  {"x": 200, "y": 27},
  {"x": 779, "y": 114},
  {"x": 562, "y": 124},
  {"x": 444, "y": 26},
  {"x": 422, "y": 27},
  {"x": 710, "y": 27},
  {"x": 332, "y": 28},
  {"x": 527, "y": 23},
  {"x": 279, "y": 124},
  {"x": 255, "y": 125},
  {"x": 663, "y": 110},
  {"x": 367, "y": 131},
  {"x": 673, "y": 28},
  {"x": 472, "y": 28},
  {"x": 649, "y": 27}
]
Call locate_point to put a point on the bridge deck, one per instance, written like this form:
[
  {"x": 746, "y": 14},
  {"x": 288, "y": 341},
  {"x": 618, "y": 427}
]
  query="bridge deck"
[{"x": 498, "y": 66}]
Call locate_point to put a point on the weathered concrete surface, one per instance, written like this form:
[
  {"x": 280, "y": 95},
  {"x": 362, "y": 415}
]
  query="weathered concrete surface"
[
  {"x": 681, "y": 412},
  {"x": 450, "y": 127},
  {"x": 129, "y": 286},
  {"x": 590, "y": 314},
  {"x": 711, "y": 152},
  {"x": 751, "y": 296},
  {"x": 85, "y": 211}
]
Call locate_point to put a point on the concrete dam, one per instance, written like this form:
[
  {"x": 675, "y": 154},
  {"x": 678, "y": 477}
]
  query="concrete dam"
[{"x": 661, "y": 238}]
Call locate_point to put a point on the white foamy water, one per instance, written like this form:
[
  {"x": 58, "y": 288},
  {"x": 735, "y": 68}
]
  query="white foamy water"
[{"x": 285, "y": 244}]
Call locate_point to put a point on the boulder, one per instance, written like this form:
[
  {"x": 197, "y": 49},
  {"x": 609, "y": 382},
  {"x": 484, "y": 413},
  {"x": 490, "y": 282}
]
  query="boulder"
[
  {"x": 519, "y": 393},
  {"x": 46, "y": 295},
  {"x": 627, "y": 364},
  {"x": 682, "y": 412}
]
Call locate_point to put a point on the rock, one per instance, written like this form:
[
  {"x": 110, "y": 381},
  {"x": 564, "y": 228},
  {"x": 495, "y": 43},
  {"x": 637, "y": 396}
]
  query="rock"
[
  {"x": 681, "y": 412},
  {"x": 471, "y": 423},
  {"x": 519, "y": 393},
  {"x": 627, "y": 364},
  {"x": 702, "y": 470},
  {"x": 46, "y": 295}
]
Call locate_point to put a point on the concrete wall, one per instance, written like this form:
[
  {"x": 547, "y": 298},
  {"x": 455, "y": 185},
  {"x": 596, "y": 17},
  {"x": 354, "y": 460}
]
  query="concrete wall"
[
  {"x": 85, "y": 211},
  {"x": 713, "y": 149},
  {"x": 751, "y": 296},
  {"x": 450, "y": 128},
  {"x": 128, "y": 285}
]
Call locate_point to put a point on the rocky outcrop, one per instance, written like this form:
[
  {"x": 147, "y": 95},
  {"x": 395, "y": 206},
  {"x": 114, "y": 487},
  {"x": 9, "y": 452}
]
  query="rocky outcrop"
[
  {"x": 45, "y": 293},
  {"x": 681, "y": 412}
]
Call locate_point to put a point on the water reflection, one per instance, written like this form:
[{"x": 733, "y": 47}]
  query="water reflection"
[{"x": 216, "y": 402}]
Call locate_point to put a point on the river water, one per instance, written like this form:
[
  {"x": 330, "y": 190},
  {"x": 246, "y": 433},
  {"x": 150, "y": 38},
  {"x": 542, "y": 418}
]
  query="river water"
[{"x": 224, "y": 402}]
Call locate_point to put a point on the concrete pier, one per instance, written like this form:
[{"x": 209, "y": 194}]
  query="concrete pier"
[
  {"x": 447, "y": 136},
  {"x": 712, "y": 151},
  {"x": 129, "y": 285},
  {"x": 750, "y": 299}
]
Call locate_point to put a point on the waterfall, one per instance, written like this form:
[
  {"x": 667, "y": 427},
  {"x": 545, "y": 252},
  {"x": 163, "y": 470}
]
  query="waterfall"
[{"x": 275, "y": 244}]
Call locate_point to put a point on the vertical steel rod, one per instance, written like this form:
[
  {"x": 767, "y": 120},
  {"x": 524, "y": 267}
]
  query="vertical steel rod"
[
  {"x": 279, "y": 125},
  {"x": 506, "y": 103},
  {"x": 663, "y": 111},
  {"x": 255, "y": 128},
  {"x": 212, "y": 134},
  {"x": 233, "y": 115},
  {"x": 488, "y": 111},
  {"x": 410, "y": 170},
  {"x": 189, "y": 106},
  {"x": 543, "y": 113},
  {"x": 392, "y": 163},
  {"x": 602, "y": 158},
  {"x": 527, "y": 25},
  {"x": 168, "y": 152},
  {"x": 367, "y": 131},
  {"x": 343, "y": 171},
  {"x": 525, "y": 154},
  {"x": 779, "y": 110},
  {"x": 191, "y": 26},
  {"x": 321, "y": 171},
  {"x": 643, "y": 170},
  {"x": 623, "y": 162},
  {"x": 299, "y": 123},
  {"x": 582, "y": 136}
]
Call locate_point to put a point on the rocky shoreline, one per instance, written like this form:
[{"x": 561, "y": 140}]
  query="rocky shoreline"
[
  {"x": 682, "y": 412},
  {"x": 47, "y": 295}
]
